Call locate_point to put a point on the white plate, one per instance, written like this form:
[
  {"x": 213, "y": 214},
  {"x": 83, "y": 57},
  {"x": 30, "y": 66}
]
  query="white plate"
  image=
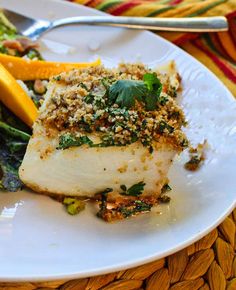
[{"x": 40, "y": 241}]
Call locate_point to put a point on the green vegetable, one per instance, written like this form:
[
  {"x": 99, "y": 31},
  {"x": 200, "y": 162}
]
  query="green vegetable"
[
  {"x": 138, "y": 207},
  {"x": 124, "y": 92},
  {"x": 89, "y": 99},
  {"x": 69, "y": 140},
  {"x": 142, "y": 206},
  {"x": 9, "y": 179},
  {"x": 153, "y": 83},
  {"x": 73, "y": 205},
  {"x": 14, "y": 137},
  {"x": 134, "y": 190},
  {"x": 13, "y": 132},
  {"x": 10, "y": 119},
  {"x": 154, "y": 90}
]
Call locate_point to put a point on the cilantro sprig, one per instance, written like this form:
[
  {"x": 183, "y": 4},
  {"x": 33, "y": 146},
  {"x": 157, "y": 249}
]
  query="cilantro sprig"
[
  {"x": 125, "y": 92},
  {"x": 134, "y": 190},
  {"x": 154, "y": 87}
]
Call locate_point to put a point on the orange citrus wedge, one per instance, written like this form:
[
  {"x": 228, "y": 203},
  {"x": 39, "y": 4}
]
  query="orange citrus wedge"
[
  {"x": 15, "y": 98},
  {"x": 24, "y": 69}
]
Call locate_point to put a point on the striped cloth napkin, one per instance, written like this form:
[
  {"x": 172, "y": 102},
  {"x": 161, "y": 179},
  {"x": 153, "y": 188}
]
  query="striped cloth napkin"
[{"x": 217, "y": 51}]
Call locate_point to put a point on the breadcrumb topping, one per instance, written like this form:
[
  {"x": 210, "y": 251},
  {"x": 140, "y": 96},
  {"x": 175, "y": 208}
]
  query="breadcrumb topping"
[{"x": 79, "y": 105}]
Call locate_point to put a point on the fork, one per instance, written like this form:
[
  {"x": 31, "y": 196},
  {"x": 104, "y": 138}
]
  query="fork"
[{"x": 34, "y": 28}]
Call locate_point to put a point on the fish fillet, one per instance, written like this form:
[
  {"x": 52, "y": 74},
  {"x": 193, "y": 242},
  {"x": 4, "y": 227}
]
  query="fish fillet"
[{"x": 83, "y": 170}]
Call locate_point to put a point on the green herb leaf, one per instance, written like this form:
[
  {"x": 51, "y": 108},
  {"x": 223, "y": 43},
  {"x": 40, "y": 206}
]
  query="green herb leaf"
[
  {"x": 151, "y": 102},
  {"x": 134, "y": 190},
  {"x": 69, "y": 140},
  {"x": 124, "y": 92},
  {"x": 89, "y": 98},
  {"x": 154, "y": 90},
  {"x": 142, "y": 206},
  {"x": 163, "y": 125},
  {"x": 73, "y": 205},
  {"x": 138, "y": 207},
  {"x": 152, "y": 82}
]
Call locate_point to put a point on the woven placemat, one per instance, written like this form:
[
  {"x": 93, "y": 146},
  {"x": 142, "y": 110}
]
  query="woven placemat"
[{"x": 210, "y": 263}]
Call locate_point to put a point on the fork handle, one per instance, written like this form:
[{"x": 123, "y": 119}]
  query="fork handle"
[{"x": 196, "y": 24}]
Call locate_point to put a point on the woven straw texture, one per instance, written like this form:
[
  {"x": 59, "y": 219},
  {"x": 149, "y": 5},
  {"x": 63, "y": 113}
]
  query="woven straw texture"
[{"x": 210, "y": 263}]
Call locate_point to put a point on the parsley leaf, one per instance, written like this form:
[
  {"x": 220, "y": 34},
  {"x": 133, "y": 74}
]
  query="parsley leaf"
[
  {"x": 134, "y": 190},
  {"x": 69, "y": 140},
  {"x": 152, "y": 82},
  {"x": 154, "y": 90},
  {"x": 124, "y": 92}
]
